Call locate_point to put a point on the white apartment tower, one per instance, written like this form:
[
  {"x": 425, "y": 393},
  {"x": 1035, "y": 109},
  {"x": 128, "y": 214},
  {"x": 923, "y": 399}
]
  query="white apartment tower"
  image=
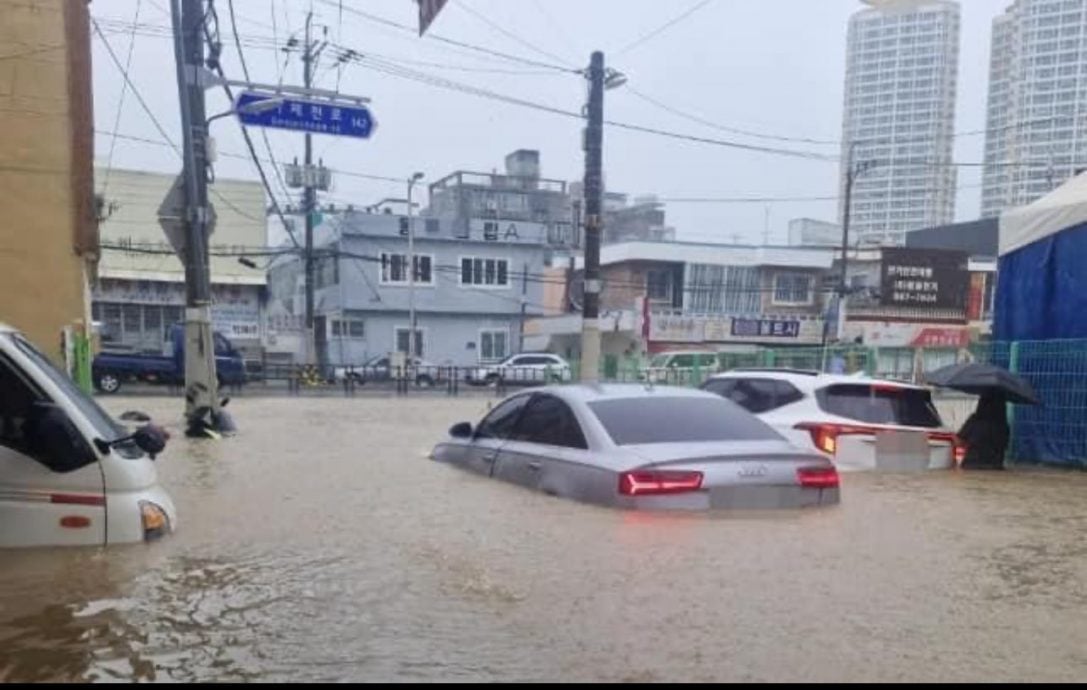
[
  {"x": 899, "y": 115},
  {"x": 1036, "y": 129}
]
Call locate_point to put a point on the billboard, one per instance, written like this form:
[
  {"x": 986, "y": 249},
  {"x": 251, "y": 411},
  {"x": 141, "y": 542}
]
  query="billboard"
[{"x": 924, "y": 278}]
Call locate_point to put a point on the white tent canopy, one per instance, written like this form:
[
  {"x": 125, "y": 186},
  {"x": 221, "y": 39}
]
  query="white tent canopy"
[{"x": 1063, "y": 208}]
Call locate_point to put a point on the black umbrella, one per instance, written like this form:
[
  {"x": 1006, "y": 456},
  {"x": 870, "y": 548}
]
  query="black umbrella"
[{"x": 979, "y": 379}]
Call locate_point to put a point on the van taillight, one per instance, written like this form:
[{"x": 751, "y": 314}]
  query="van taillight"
[
  {"x": 817, "y": 477},
  {"x": 658, "y": 482}
]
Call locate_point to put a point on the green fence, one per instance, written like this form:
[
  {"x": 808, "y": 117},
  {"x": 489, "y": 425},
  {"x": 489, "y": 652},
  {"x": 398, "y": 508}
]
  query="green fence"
[{"x": 1054, "y": 432}]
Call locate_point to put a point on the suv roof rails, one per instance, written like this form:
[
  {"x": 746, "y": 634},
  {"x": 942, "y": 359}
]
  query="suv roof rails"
[{"x": 779, "y": 370}]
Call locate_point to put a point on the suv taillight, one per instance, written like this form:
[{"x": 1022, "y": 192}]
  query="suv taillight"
[
  {"x": 658, "y": 482},
  {"x": 824, "y": 436}
]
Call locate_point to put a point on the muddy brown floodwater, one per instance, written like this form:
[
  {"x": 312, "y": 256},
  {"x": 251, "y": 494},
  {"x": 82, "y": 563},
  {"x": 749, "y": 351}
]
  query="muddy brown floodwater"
[{"x": 321, "y": 545}]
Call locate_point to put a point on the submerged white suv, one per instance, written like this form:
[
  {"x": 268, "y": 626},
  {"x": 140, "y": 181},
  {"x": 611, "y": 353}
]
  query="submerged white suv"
[{"x": 858, "y": 422}]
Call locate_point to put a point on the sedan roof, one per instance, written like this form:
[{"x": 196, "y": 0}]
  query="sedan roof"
[{"x": 593, "y": 392}]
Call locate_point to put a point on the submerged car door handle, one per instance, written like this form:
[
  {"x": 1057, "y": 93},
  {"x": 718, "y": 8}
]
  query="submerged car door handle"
[
  {"x": 489, "y": 458},
  {"x": 534, "y": 466}
]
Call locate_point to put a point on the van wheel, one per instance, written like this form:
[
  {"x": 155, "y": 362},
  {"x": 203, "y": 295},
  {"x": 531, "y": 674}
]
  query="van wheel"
[{"x": 108, "y": 383}]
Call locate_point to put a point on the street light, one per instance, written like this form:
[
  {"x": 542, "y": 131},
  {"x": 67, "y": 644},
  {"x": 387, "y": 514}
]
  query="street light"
[
  {"x": 411, "y": 269},
  {"x": 254, "y": 108}
]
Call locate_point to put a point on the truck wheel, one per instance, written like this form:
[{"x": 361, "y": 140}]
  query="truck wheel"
[
  {"x": 424, "y": 381},
  {"x": 107, "y": 382}
]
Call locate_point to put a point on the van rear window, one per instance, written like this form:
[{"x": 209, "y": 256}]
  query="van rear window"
[{"x": 875, "y": 404}]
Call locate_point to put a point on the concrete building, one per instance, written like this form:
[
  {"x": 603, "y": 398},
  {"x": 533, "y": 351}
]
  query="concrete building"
[
  {"x": 472, "y": 293},
  {"x": 519, "y": 195},
  {"x": 1037, "y": 96},
  {"x": 628, "y": 219},
  {"x": 809, "y": 232},
  {"x": 141, "y": 287},
  {"x": 49, "y": 240},
  {"x": 899, "y": 113},
  {"x": 672, "y": 295}
]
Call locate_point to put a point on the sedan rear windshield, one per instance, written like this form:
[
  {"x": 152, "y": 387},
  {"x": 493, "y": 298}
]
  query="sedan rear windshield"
[
  {"x": 876, "y": 404},
  {"x": 662, "y": 419}
]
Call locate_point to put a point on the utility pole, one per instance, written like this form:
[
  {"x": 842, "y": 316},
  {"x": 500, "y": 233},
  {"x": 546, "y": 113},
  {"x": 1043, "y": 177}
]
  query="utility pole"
[
  {"x": 593, "y": 190},
  {"x": 202, "y": 409},
  {"x": 309, "y": 201},
  {"x": 524, "y": 306},
  {"x": 853, "y": 171},
  {"x": 411, "y": 271}
]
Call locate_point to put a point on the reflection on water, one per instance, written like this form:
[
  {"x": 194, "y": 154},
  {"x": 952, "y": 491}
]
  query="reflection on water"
[{"x": 320, "y": 545}]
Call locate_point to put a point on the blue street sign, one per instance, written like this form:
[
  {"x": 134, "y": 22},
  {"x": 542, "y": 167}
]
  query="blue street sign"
[{"x": 316, "y": 117}]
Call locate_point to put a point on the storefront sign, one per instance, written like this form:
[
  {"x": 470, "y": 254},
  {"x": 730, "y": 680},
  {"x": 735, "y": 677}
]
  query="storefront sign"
[
  {"x": 924, "y": 278},
  {"x": 765, "y": 328}
]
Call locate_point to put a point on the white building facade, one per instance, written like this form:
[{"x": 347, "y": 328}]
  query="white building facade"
[
  {"x": 1036, "y": 125},
  {"x": 899, "y": 113}
]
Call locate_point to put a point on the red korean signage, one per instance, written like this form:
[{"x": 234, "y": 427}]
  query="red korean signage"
[
  {"x": 941, "y": 337},
  {"x": 428, "y": 10}
]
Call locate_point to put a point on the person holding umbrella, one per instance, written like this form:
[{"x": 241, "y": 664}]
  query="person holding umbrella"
[{"x": 986, "y": 433}]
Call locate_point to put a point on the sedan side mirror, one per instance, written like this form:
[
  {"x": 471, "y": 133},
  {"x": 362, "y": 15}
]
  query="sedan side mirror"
[{"x": 462, "y": 430}]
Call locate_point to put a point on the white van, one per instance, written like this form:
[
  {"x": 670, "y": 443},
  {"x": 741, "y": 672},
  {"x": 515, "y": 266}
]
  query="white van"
[{"x": 69, "y": 474}]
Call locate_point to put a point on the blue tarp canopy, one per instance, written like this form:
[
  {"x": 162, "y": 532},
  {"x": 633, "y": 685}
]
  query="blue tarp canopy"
[
  {"x": 1041, "y": 320},
  {"x": 1042, "y": 275}
]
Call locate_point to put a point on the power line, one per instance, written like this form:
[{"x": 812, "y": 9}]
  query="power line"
[
  {"x": 661, "y": 29},
  {"x": 124, "y": 91},
  {"x": 245, "y": 132},
  {"x": 448, "y": 41},
  {"x": 727, "y": 128},
  {"x": 135, "y": 92},
  {"x": 509, "y": 34},
  {"x": 242, "y": 156},
  {"x": 444, "y": 83}
]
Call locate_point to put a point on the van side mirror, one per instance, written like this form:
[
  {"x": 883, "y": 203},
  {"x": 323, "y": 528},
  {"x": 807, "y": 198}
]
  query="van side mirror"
[
  {"x": 151, "y": 439},
  {"x": 462, "y": 430}
]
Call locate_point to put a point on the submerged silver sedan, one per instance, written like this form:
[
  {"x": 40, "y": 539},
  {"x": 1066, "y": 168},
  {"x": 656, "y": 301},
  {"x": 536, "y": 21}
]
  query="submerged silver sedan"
[{"x": 639, "y": 447}]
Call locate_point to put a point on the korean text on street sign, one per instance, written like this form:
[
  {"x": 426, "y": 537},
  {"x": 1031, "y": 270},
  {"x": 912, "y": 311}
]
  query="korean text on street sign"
[
  {"x": 924, "y": 278},
  {"x": 316, "y": 117}
]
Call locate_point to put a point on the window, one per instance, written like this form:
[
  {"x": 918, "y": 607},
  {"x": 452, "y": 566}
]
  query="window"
[
  {"x": 348, "y": 328},
  {"x": 658, "y": 285},
  {"x": 402, "y": 334},
  {"x": 793, "y": 288},
  {"x": 16, "y": 407},
  {"x": 493, "y": 345},
  {"x": 756, "y": 395},
  {"x": 875, "y": 404},
  {"x": 394, "y": 269},
  {"x": 549, "y": 421},
  {"x": 484, "y": 272},
  {"x": 500, "y": 422},
  {"x": 666, "y": 419}
]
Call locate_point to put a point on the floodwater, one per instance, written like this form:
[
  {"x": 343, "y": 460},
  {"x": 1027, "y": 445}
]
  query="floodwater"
[{"x": 321, "y": 545}]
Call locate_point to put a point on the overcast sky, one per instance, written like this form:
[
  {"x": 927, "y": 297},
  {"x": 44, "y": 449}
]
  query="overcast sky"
[{"x": 768, "y": 66}]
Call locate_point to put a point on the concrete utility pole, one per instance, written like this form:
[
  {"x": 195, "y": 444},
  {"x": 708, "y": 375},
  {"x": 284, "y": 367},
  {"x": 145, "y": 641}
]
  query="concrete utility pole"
[
  {"x": 309, "y": 201},
  {"x": 412, "y": 325},
  {"x": 202, "y": 410},
  {"x": 853, "y": 171},
  {"x": 593, "y": 191}
]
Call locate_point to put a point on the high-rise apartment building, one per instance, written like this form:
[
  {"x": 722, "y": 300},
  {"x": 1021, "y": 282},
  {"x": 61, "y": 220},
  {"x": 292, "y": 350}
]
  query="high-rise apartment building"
[
  {"x": 899, "y": 114},
  {"x": 1036, "y": 129}
]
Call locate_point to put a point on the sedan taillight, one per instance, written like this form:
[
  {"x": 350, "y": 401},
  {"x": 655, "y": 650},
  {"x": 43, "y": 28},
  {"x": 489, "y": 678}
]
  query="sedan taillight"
[
  {"x": 658, "y": 482},
  {"x": 817, "y": 477}
]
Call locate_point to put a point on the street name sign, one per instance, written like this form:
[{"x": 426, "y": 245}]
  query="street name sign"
[{"x": 304, "y": 115}]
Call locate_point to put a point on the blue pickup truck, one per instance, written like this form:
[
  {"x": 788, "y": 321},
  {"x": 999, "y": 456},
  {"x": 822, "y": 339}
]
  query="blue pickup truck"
[{"x": 111, "y": 369}]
